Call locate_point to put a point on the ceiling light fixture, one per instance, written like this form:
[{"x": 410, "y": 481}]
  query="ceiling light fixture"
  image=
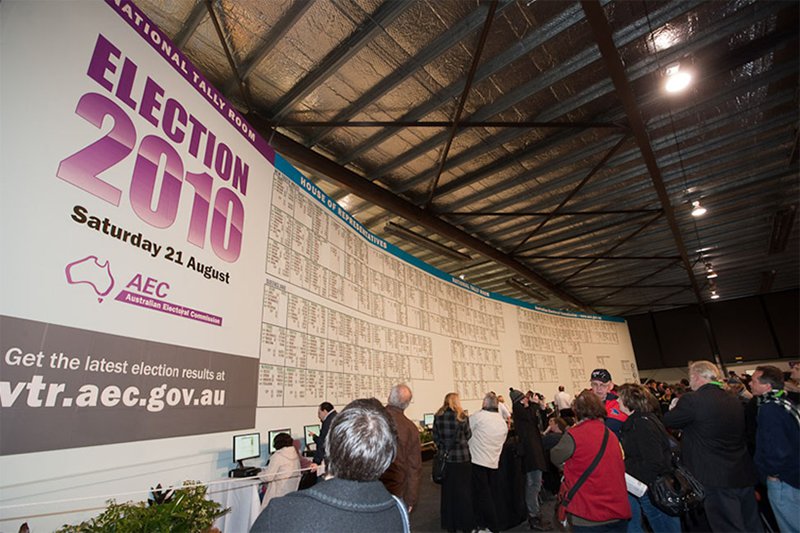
[
  {"x": 710, "y": 274},
  {"x": 527, "y": 289},
  {"x": 697, "y": 209},
  {"x": 782, "y": 224},
  {"x": 677, "y": 79},
  {"x": 712, "y": 286},
  {"x": 430, "y": 244}
]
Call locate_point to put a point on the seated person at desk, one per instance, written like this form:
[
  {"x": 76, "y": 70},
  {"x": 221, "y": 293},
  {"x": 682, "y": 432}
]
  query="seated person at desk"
[
  {"x": 360, "y": 446},
  {"x": 282, "y": 474}
]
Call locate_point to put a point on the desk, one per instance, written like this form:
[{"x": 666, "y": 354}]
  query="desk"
[{"x": 241, "y": 495}]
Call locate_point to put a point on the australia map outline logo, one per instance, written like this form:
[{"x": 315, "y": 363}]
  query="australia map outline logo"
[{"x": 90, "y": 271}]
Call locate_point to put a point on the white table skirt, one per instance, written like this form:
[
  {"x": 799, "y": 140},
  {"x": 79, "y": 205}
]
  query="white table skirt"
[{"x": 241, "y": 495}]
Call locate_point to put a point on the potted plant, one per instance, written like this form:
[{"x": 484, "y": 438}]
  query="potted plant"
[
  {"x": 184, "y": 510},
  {"x": 426, "y": 444}
]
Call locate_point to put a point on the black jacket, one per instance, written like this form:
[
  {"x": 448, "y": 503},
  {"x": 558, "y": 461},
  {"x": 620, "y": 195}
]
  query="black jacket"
[
  {"x": 319, "y": 440},
  {"x": 713, "y": 445},
  {"x": 526, "y": 424},
  {"x": 646, "y": 446}
]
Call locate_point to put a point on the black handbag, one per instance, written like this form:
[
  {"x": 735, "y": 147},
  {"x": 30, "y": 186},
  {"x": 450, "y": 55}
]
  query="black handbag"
[
  {"x": 677, "y": 491},
  {"x": 439, "y": 469}
]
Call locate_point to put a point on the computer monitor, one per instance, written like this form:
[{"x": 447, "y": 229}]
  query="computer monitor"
[
  {"x": 309, "y": 432},
  {"x": 246, "y": 446},
  {"x": 271, "y": 434},
  {"x": 427, "y": 420}
]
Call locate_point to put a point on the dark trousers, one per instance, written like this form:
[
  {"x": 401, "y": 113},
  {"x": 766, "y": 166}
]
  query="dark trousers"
[
  {"x": 732, "y": 510},
  {"x": 456, "y": 504},
  {"x": 484, "y": 486}
]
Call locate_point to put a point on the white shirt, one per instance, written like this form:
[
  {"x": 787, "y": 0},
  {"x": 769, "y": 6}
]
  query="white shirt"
[
  {"x": 282, "y": 474},
  {"x": 489, "y": 432},
  {"x": 563, "y": 400}
]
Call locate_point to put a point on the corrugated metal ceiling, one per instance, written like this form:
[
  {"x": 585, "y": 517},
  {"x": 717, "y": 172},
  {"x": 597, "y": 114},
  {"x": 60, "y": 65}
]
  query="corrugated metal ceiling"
[{"x": 546, "y": 166}]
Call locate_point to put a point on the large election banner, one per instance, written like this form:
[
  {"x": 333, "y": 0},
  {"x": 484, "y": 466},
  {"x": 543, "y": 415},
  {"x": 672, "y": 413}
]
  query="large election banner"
[{"x": 133, "y": 227}]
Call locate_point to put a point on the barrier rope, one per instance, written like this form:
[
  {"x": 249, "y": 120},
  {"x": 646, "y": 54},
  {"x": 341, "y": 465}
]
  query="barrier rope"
[{"x": 252, "y": 481}]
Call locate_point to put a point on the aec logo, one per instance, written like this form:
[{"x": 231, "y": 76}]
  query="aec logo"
[{"x": 91, "y": 272}]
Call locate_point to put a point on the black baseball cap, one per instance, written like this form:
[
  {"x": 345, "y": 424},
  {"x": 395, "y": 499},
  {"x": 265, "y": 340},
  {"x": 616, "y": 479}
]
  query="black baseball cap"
[{"x": 600, "y": 374}]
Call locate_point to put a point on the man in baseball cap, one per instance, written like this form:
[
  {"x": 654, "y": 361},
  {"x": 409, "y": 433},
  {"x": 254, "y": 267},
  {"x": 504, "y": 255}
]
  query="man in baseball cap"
[{"x": 603, "y": 386}]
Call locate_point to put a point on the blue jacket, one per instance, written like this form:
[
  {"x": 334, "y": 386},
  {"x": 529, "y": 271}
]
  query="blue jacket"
[{"x": 777, "y": 444}]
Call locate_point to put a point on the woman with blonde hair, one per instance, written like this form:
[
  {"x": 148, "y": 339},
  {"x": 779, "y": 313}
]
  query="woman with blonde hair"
[
  {"x": 503, "y": 408},
  {"x": 451, "y": 432}
]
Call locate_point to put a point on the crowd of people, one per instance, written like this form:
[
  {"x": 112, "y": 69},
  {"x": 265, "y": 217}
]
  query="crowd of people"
[{"x": 739, "y": 436}]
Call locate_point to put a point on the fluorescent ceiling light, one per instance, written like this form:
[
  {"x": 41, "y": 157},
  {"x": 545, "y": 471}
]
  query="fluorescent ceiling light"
[
  {"x": 530, "y": 291},
  {"x": 412, "y": 236}
]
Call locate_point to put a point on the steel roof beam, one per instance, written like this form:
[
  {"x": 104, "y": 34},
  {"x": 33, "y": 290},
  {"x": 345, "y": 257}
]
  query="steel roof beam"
[
  {"x": 373, "y": 24},
  {"x": 385, "y": 199},
  {"x": 631, "y": 287},
  {"x": 639, "y": 280},
  {"x": 603, "y": 257},
  {"x": 672, "y": 159},
  {"x": 547, "y": 213},
  {"x": 542, "y": 82},
  {"x": 396, "y": 124},
  {"x": 644, "y": 67},
  {"x": 617, "y": 245},
  {"x": 600, "y": 164},
  {"x": 558, "y": 239},
  {"x": 601, "y": 28},
  {"x": 433, "y": 50},
  {"x": 187, "y": 30},
  {"x": 535, "y": 39},
  {"x": 275, "y": 34},
  {"x": 244, "y": 90},
  {"x": 654, "y": 302},
  {"x": 667, "y": 140},
  {"x": 461, "y": 102}
]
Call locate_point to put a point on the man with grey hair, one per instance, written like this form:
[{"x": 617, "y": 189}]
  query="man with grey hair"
[
  {"x": 360, "y": 446},
  {"x": 489, "y": 432},
  {"x": 714, "y": 449},
  {"x": 402, "y": 476}
]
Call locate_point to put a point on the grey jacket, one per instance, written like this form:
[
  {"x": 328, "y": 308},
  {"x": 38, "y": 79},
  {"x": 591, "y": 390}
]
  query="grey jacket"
[{"x": 335, "y": 505}]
